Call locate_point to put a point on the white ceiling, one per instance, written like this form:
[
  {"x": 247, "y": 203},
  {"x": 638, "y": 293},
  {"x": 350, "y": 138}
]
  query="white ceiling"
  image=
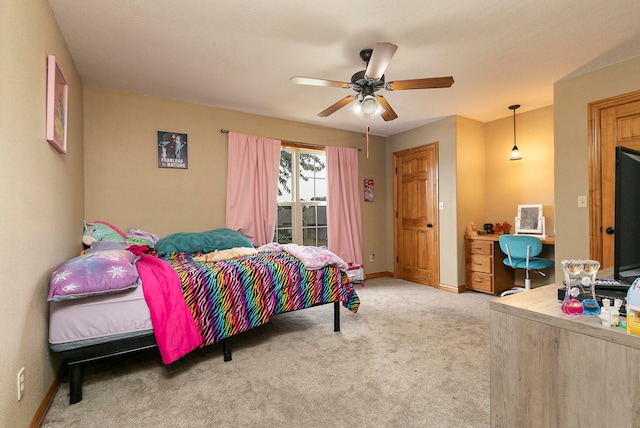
[{"x": 240, "y": 54}]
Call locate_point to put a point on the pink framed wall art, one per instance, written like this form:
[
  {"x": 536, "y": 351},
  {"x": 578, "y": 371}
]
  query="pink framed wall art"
[
  {"x": 368, "y": 190},
  {"x": 57, "y": 97}
]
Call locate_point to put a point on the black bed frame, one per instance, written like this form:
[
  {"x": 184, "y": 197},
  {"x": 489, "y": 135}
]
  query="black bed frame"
[{"x": 75, "y": 358}]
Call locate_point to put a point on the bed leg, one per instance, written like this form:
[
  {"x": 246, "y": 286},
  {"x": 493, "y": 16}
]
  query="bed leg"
[
  {"x": 75, "y": 383},
  {"x": 226, "y": 350},
  {"x": 336, "y": 316}
]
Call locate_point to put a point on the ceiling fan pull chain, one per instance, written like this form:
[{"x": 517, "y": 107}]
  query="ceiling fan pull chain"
[{"x": 367, "y": 127}]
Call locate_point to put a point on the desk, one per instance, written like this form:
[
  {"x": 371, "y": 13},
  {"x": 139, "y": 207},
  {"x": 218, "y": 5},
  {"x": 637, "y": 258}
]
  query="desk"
[
  {"x": 485, "y": 271},
  {"x": 547, "y": 240},
  {"x": 550, "y": 369}
]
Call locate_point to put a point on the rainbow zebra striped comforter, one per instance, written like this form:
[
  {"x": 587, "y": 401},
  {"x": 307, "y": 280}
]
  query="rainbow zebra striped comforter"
[{"x": 232, "y": 296}]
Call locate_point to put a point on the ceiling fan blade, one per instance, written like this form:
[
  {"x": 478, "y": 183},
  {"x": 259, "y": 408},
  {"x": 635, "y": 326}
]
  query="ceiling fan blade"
[
  {"x": 382, "y": 54},
  {"x": 388, "y": 114},
  {"x": 427, "y": 83},
  {"x": 337, "y": 106},
  {"x": 318, "y": 82}
]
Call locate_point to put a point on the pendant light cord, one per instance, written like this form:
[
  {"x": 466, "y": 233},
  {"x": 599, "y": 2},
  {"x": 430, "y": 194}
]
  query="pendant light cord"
[
  {"x": 514, "y": 127},
  {"x": 515, "y": 152}
]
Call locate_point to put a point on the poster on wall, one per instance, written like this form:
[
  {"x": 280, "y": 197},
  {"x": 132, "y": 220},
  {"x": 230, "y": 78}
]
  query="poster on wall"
[
  {"x": 172, "y": 150},
  {"x": 368, "y": 190}
]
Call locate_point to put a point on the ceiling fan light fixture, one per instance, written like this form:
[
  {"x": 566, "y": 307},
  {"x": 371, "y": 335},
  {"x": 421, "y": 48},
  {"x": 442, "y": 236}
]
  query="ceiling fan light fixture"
[
  {"x": 369, "y": 104},
  {"x": 378, "y": 111},
  {"x": 357, "y": 110}
]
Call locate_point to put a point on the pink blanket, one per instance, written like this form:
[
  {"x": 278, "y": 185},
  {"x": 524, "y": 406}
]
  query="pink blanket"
[{"x": 175, "y": 330}]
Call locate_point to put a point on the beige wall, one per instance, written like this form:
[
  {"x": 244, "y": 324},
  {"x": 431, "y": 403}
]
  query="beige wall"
[
  {"x": 571, "y": 99},
  {"x": 124, "y": 186},
  {"x": 471, "y": 196},
  {"x": 527, "y": 181},
  {"x": 42, "y": 199}
]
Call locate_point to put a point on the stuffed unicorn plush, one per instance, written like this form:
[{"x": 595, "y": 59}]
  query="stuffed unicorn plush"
[{"x": 101, "y": 231}]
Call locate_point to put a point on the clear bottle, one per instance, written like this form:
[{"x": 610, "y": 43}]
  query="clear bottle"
[
  {"x": 580, "y": 296},
  {"x": 589, "y": 302}
]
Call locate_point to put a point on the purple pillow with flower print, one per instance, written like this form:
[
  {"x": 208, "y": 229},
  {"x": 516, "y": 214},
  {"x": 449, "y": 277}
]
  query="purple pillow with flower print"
[
  {"x": 137, "y": 236},
  {"x": 94, "y": 273}
]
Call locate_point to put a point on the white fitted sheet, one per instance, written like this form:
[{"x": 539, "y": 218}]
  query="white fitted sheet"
[{"x": 98, "y": 318}]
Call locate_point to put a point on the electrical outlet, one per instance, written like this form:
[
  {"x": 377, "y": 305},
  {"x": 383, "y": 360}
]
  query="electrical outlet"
[
  {"x": 372, "y": 256},
  {"x": 20, "y": 379}
]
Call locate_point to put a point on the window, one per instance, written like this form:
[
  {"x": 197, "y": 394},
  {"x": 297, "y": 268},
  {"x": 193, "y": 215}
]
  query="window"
[{"x": 302, "y": 197}]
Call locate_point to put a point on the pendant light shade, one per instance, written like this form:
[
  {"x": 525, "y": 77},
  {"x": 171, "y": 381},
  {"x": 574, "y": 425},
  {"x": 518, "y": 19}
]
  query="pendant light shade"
[{"x": 515, "y": 152}]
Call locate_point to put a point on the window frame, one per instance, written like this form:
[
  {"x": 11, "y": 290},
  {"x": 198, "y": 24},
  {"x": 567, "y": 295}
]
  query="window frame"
[{"x": 297, "y": 205}]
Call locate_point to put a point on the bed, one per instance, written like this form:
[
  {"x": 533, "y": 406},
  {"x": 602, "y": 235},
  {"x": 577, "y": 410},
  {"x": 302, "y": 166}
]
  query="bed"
[{"x": 205, "y": 296}]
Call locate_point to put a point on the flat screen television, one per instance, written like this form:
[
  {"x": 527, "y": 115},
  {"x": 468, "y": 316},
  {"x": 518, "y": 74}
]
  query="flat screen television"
[{"x": 626, "y": 256}]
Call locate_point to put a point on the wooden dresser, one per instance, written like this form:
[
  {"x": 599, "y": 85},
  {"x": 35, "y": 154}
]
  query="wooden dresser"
[{"x": 485, "y": 271}]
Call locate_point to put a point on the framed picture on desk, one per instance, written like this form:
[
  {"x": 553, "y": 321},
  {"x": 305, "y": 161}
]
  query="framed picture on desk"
[{"x": 530, "y": 220}]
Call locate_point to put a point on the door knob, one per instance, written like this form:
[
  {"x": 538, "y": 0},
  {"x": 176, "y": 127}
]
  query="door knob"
[
  {"x": 429, "y": 225},
  {"x": 610, "y": 230}
]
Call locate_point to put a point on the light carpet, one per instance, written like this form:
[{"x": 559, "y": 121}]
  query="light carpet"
[{"x": 412, "y": 356}]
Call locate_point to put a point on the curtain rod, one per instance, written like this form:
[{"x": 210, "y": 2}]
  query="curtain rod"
[{"x": 292, "y": 143}]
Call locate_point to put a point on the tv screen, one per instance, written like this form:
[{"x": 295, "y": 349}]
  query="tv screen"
[{"x": 626, "y": 257}]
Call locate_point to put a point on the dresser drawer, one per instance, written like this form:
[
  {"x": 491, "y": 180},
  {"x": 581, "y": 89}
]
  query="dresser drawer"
[
  {"x": 480, "y": 263},
  {"x": 480, "y": 247},
  {"x": 480, "y": 282},
  {"x": 484, "y": 269}
]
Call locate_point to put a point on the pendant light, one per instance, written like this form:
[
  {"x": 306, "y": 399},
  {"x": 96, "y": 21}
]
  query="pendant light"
[{"x": 515, "y": 153}]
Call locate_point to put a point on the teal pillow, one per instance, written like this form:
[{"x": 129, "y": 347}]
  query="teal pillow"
[{"x": 206, "y": 242}]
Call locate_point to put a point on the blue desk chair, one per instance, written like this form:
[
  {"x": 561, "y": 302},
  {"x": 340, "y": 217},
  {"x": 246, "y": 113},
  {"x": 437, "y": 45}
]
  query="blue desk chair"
[{"x": 522, "y": 252}]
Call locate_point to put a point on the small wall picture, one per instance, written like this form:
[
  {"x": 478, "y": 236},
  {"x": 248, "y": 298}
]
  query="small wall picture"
[
  {"x": 57, "y": 97},
  {"x": 368, "y": 190},
  {"x": 172, "y": 150}
]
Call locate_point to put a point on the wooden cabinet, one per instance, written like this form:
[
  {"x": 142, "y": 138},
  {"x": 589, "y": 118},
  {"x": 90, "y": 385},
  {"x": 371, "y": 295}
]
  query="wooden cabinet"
[
  {"x": 485, "y": 271},
  {"x": 551, "y": 369}
]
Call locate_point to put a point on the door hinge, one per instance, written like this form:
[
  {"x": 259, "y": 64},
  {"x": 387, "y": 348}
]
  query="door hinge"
[
  {"x": 396, "y": 170},
  {"x": 397, "y": 259},
  {"x": 396, "y": 214}
]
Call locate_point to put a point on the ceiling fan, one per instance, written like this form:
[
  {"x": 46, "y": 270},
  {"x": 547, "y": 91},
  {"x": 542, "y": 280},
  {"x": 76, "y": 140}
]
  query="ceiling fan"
[{"x": 367, "y": 82}]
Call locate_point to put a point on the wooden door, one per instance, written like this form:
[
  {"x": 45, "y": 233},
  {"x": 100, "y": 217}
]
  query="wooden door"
[
  {"x": 616, "y": 123},
  {"x": 416, "y": 215}
]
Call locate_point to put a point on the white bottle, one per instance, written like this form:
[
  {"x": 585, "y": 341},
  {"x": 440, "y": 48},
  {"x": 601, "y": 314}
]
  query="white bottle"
[
  {"x": 615, "y": 312},
  {"x": 606, "y": 313}
]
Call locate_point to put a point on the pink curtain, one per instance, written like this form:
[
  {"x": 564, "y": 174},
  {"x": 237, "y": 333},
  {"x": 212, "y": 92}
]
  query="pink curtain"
[
  {"x": 252, "y": 186},
  {"x": 344, "y": 218}
]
